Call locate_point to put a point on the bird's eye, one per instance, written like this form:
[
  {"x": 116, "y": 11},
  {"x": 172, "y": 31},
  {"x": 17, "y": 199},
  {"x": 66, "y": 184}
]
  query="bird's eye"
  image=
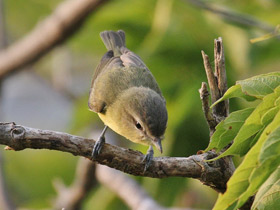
[{"x": 138, "y": 126}]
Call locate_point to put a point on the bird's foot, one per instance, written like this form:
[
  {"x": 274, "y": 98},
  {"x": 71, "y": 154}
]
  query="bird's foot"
[
  {"x": 148, "y": 158},
  {"x": 97, "y": 147},
  {"x": 98, "y": 144}
]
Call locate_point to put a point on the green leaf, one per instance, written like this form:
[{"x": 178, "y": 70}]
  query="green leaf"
[
  {"x": 269, "y": 160},
  {"x": 228, "y": 129},
  {"x": 268, "y": 196},
  {"x": 260, "y": 117},
  {"x": 253, "y": 88},
  {"x": 261, "y": 85},
  {"x": 240, "y": 180},
  {"x": 234, "y": 92}
]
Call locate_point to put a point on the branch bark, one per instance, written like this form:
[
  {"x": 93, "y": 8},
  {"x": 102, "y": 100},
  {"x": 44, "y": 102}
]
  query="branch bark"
[
  {"x": 56, "y": 28},
  {"x": 217, "y": 81},
  {"x": 214, "y": 174}
]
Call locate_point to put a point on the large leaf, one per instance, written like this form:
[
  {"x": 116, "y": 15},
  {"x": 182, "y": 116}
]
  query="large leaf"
[
  {"x": 269, "y": 160},
  {"x": 268, "y": 196},
  {"x": 261, "y": 85},
  {"x": 260, "y": 117},
  {"x": 253, "y": 88},
  {"x": 240, "y": 180},
  {"x": 228, "y": 129}
]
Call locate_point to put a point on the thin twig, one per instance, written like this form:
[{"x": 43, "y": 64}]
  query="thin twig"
[
  {"x": 222, "y": 109},
  {"x": 126, "y": 160},
  {"x": 212, "y": 80},
  {"x": 204, "y": 96},
  {"x": 243, "y": 19},
  {"x": 217, "y": 80},
  {"x": 56, "y": 28}
]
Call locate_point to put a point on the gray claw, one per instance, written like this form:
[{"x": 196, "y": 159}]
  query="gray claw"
[
  {"x": 98, "y": 144},
  {"x": 97, "y": 147},
  {"x": 148, "y": 158}
]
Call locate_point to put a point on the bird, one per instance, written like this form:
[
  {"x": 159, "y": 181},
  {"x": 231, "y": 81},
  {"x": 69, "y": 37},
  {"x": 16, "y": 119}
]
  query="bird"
[{"x": 127, "y": 98}]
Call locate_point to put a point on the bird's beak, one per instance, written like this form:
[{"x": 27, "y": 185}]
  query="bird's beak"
[{"x": 157, "y": 143}]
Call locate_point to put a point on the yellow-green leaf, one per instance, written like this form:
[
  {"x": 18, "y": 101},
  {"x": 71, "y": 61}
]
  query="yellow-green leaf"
[
  {"x": 228, "y": 128},
  {"x": 269, "y": 160},
  {"x": 260, "y": 117},
  {"x": 239, "y": 182},
  {"x": 268, "y": 196},
  {"x": 253, "y": 88}
]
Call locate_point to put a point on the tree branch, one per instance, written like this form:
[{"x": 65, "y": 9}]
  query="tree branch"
[
  {"x": 218, "y": 86},
  {"x": 222, "y": 109},
  {"x": 204, "y": 96},
  {"x": 213, "y": 174},
  {"x": 56, "y": 28}
]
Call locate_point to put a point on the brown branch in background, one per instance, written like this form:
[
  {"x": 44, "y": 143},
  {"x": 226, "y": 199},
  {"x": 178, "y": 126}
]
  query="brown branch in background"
[
  {"x": 129, "y": 161},
  {"x": 71, "y": 198},
  {"x": 87, "y": 175},
  {"x": 56, "y": 28},
  {"x": 126, "y": 188},
  {"x": 233, "y": 16}
]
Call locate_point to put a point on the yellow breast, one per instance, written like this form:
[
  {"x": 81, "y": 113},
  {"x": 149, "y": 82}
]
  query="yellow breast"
[{"x": 115, "y": 126}]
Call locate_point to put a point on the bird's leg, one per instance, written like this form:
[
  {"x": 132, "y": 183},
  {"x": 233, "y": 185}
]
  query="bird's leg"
[
  {"x": 99, "y": 144},
  {"x": 148, "y": 157}
]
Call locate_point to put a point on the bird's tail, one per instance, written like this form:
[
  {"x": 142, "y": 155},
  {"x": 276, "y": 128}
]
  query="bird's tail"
[{"x": 113, "y": 40}]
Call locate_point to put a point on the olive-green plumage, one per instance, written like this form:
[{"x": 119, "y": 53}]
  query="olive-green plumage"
[{"x": 125, "y": 94}]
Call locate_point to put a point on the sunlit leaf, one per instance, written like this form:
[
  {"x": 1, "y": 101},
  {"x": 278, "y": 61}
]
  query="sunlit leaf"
[
  {"x": 260, "y": 117},
  {"x": 253, "y": 88},
  {"x": 234, "y": 92},
  {"x": 240, "y": 180},
  {"x": 268, "y": 196},
  {"x": 228, "y": 129},
  {"x": 269, "y": 160}
]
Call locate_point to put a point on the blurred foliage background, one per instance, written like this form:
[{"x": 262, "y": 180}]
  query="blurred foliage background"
[{"x": 169, "y": 36}]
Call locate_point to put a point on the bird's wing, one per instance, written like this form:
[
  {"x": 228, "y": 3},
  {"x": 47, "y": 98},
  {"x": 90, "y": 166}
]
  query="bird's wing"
[
  {"x": 130, "y": 59},
  {"x": 95, "y": 104},
  {"x": 101, "y": 66}
]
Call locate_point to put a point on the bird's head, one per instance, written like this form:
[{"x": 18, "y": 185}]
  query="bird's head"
[{"x": 144, "y": 116}]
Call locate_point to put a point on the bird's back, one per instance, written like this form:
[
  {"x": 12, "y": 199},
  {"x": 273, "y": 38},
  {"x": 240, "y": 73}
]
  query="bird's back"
[{"x": 119, "y": 70}]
